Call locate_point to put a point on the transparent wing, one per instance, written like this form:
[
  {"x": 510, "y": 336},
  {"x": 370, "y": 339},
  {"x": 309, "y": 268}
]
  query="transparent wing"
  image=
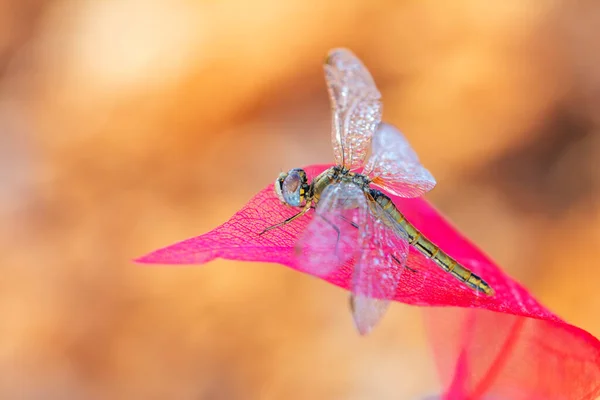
[
  {"x": 331, "y": 238},
  {"x": 356, "y": 107},
  {"x": 395, "y": 166},
  {"x": 379, "y": 267}
]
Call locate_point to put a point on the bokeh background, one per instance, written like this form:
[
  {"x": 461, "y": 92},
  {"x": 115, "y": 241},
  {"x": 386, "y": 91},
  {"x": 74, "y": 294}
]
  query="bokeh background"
[{"x": 127, "y": 125}]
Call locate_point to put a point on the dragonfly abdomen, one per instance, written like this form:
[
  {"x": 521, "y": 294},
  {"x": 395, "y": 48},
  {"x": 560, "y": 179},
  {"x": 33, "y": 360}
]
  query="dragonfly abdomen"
[{"x": 430, "y": 250}]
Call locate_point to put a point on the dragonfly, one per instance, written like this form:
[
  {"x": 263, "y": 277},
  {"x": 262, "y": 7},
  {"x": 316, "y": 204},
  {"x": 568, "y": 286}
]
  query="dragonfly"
[{"x": 355, "y": 222}]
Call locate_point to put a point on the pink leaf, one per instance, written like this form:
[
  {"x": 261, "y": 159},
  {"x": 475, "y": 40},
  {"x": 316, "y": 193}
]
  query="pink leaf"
[{"x": 507, "y": 346}]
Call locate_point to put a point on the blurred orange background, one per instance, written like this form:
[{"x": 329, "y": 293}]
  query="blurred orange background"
[{"x": 127, "y": 125}]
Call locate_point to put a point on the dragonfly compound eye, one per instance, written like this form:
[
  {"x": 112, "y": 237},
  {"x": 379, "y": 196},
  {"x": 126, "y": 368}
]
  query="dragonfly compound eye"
[{"x": 291, "y": 187}]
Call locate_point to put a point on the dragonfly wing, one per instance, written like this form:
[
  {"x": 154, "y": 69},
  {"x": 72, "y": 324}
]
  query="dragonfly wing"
[
  {"x": 395, "y": 166},
  {"x": 331, "y": 238},
  {"x": 356, "y": 107},
  {"x": 380, "y": 265}
]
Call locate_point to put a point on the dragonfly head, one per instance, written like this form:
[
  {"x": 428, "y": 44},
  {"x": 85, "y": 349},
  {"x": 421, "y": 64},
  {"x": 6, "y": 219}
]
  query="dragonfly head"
[{"x": 291, "y": 187}]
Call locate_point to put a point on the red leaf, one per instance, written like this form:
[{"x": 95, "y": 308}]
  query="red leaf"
[{"x": 507, "y": 346}]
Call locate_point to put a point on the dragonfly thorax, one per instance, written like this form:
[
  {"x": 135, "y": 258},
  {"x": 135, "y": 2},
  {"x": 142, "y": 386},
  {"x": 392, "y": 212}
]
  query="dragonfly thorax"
[{"x": 335, "y": 174}]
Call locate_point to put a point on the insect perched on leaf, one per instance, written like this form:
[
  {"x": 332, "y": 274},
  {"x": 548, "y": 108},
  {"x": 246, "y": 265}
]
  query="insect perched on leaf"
[{"x": 354, "y": 221}]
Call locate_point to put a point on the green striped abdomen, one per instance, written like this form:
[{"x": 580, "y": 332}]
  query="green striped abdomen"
[{"x": 430, "y": 250}]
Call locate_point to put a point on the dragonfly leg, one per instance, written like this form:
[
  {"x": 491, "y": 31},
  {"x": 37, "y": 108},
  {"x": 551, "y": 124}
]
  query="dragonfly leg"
[
  {"x": 337, "y": 231},
  {"x": 393, "y": 256},
  {"x": 403, "y": 264},
  {"x": 354, "y": 224},
  {"x": 287, "y": 221}
]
